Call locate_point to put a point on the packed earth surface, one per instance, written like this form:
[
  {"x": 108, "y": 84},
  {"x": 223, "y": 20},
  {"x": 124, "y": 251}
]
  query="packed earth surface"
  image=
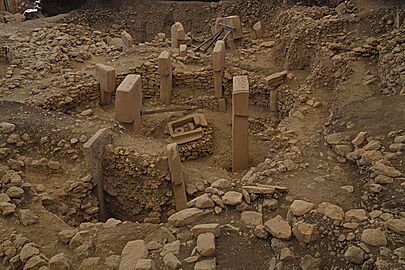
[{"x": 229, "y": 135}]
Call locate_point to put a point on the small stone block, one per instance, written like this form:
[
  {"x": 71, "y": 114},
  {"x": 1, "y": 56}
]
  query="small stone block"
[
  {"x": 145, "y": 264},
  {"x": 183, "y": 50},
  {"x": 106, "y": 76},
  {"x": 218, "y": 56}
]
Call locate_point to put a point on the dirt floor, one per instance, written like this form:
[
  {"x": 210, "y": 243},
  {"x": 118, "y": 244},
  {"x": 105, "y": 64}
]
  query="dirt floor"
[{"x": 324, "y": 187}]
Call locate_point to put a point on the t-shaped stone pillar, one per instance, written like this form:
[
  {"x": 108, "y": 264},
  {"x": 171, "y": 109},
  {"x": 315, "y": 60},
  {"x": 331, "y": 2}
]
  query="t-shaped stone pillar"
[
  {"x": 106, "y": 76},
  {"x": 240, "y": 123},
  {"x": 218, "y": 63},
  {"x": 177, "y": 34},
  {"x": 166, "y": 77},
  {"x": 177, "y": 174},
  {"x": 128, "y": 101}
]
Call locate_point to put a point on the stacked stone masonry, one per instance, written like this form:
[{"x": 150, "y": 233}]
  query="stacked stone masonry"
[{"x": 137, "y": 186}]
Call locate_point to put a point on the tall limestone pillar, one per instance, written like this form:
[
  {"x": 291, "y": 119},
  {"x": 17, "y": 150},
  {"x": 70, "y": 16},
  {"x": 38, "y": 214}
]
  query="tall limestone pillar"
[
  {"x": 218, "y": 64},
  {"x": 166, "y": 77},
  {"x": 240, "y": 123},
  {"x": 177, "y": 174}
]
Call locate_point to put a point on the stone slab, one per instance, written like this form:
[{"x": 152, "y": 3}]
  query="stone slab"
[
  {"x": 128, "y": 101},
  {"x": 93, "y": 152}
]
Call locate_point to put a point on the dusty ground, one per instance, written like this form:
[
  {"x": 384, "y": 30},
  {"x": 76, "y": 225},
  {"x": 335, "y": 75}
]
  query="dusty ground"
[{"x": 332, "y": 88}]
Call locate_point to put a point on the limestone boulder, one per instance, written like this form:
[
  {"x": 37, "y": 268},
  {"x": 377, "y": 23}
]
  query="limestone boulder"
[
  {"x": 132, "y": 253},
  {"x": 396, "y": 225},
  {"x": 300, "y": 207},
  {"x": 185, "y": 217},
  {"x": 374, "y": 237},
  {"x": 354, "y": 255},
  {"x": 206, "y": 244},
  {"x": 305, "y": 232},
  {"x": 232, "y": 198}
]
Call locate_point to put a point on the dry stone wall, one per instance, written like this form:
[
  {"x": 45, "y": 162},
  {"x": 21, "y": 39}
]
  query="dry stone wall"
[
  {"x": 391, "y": 60},
  {"x": 200, "y": 148},
  {"x": 137, "y": 186}
]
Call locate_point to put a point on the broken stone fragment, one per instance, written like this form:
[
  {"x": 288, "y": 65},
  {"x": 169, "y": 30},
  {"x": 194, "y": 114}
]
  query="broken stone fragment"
[
  {"x": 214, "y": 228},
  {"x": 171, "y": 261},
  {"x": 27, "y": 217},
  {"x": 299, "y": 207},
  {"x": 221, "y": 184},
  {"x": 132, "y": 253},
  {"x": 305, "y": 232},
  {"x": 260, "y": 232},
  {"x": 206, "y": 265},
  {"x": 251, "y": 219},
  {"x": 374, "y": 237},
  {"x": 262, "y": 190},
  {"x": 310, "y": 263},
  {"x": 7, "y": 208},
  {"x": 354, "y": 255},
  {"x": 335, "y": 138},
  {"x": 360, "y": 138},
  {"x": 381, "y": 168},
  {"x": 15, "y": 192},
  {"x": 66, "y": 235},
  {"x": 356, "y": 215},
  {"x": 145, "y": 264},
  {"x": 278, "y": 227},
  {"x": 6, "y": 128},
  {"x": 206, "y": 244},
  {"x": 28, "y": 251},
  {"x": 173, "y": 247},
  {"x": 35, "y": 262},
  {"x": 286, "y": 254},
  {"x": 76, "y": 241},
  {"x": 396, "y": 225},
  {"x": 232, "y": 198},
  {"x": 331, "y": 211},
  {"x": 59, "y": 262},
  {"x": 90, "y": 263},
  {"x": 204, "y": 202}
]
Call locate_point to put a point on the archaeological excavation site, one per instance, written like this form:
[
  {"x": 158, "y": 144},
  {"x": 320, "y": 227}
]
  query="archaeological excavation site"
[{"x": 202, "y": 135}]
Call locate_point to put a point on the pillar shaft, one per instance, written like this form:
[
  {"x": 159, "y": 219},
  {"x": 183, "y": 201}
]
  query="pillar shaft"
[
  {"x": 177, "y": 175},
  {"x": 106, "y": 76},
  {"x": 240, "y": 123},
  {"x": 166, "y": 77},
  {"x": 218, "y": 64},
  {"x": 93, "y": 153},
  {"x": 274, "y": 100}
]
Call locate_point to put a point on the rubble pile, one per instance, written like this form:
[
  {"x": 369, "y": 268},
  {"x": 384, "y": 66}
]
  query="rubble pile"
[{"x": 391, "y": 58}]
